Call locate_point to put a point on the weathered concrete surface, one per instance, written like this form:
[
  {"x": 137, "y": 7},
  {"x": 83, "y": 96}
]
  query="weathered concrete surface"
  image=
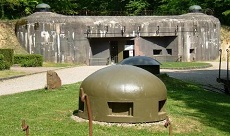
[{"x": 84, "y": 39}]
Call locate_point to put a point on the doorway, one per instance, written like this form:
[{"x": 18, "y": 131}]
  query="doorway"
[
  {"x": 114, "y": 51},
  {"x": 125, "y": 54}
]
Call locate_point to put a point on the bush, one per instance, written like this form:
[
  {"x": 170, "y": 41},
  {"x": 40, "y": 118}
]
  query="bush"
[
  {"x": 28, "y": 60},
  {"x": 4, "y": 64},
  {"x": 8, "y": 55}
]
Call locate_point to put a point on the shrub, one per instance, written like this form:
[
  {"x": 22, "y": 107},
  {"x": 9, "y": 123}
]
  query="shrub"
[
  {"x": 28, "y": 60},
  {"x": 4, "y": 64},
  {"x": 8, "y": 55}
]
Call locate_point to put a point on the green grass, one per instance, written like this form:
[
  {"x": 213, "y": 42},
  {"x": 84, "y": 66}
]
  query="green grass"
[
  {"x": 196, "y": 111},
  {"x": 10, "y": 73},
  {"x": 192, "y": 110},
  {"x": 183, "y": 65},
  {"x": 50, "y": 64}
]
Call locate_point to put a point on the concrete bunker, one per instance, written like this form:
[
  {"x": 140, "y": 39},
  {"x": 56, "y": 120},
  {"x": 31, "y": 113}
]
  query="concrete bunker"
[
  {"x": 124, "y": 93},
  {"x": 101, "y": 40}
]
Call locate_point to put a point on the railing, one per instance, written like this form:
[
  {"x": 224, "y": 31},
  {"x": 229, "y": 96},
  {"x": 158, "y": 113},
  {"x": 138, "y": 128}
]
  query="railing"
[{"x": 123, "y": 13}]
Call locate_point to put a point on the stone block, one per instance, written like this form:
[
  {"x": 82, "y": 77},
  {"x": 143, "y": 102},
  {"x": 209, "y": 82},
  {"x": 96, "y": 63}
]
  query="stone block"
[{"x": 53, "y": 80}]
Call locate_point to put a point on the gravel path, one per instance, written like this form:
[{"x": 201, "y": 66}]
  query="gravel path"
[
  {"x": 206, "y": 77},
  {"x": 38, "y": 81}
]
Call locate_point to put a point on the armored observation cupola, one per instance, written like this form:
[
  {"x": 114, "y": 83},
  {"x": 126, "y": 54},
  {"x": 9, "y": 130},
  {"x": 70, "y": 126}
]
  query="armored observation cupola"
[
  {"x": 195, "y": 9},
  {"x": 147, "y": 63},
  {"x": 42, "y": 7},
  {"x": 125, "y": 94}
]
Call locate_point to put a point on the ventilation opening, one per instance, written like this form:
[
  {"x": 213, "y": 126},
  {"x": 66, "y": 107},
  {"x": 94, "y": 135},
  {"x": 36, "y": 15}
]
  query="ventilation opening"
[
  {"x": 157, "y": 52},
  {"x": 169, "y": 51},
  {"x": 192, "y": 51},
  {"x": 161, "y": 104},
  {"x": 81, "y": 105},
  {"x": 36, "y": 26},
  {"x": 120, "y": 109}
]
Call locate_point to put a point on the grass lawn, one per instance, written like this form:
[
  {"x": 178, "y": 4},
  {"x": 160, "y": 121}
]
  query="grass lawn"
[
  {"x": 10, "y": 73},
  {"x": 183, "y": 65},
  {"x": 51, "y": 64},
  {"x": 193, "y": 111}
]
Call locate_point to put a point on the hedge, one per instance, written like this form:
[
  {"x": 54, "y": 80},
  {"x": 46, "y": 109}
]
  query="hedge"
[
  {"x": 4, "y": 64},
  {"x": 8, "y": 55},
  {"x": 28, "y": 60}
]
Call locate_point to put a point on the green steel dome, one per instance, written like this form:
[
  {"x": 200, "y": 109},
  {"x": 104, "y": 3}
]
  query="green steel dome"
[
  {"x": 147, "y": 63},
  {"x": 139, "y": 60},
  {"x": 43, "y": 7},
  {"x": 124, "y": 93},
  {"x": 195, "y": 9}
]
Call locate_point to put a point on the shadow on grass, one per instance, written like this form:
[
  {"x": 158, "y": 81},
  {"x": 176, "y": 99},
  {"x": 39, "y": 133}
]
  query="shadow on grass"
[{"x": 211, "y": 109}]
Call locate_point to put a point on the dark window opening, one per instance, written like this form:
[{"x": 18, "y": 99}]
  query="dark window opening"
[
  {"x": 130, "y": 42},
  {"x": 157, "y": 52},
  {"x": 161, "y": 105},
  {"x": 114, "y": 51},
  {"x": 121, "y": 108},
  {"x": 169, "y": 51},
  {"x": 36, "y": 26},
  {"x": 125, "y": 54},
  {"x": 192, "y": 51}
]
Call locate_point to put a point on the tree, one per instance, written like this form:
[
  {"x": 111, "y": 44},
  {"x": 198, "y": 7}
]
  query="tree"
[
  {"x": 135, "y": 7},
  {"x": 7, "y": 4},
  {"x": 67, "y": 7}
]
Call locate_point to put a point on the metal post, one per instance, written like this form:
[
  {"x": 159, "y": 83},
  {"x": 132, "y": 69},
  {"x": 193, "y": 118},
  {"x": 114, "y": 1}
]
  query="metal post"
[
  {"x": 220, "y": 63},
  {"x": 25, "y": 127},
  {"x": 227, "y": 65},
  {"x": 85, "y": 98},
  {"x": 168, "y": 124}
]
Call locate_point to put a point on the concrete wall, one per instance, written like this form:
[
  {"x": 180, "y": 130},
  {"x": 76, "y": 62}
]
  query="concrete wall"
[{"x": 78, "y": 39}]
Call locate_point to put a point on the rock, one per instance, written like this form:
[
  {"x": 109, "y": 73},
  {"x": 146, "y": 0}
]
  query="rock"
[{"x": 53, "y": 80}]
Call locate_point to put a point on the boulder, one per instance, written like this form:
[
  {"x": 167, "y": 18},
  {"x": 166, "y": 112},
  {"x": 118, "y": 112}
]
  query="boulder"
[{"x": 53, "y": 80}]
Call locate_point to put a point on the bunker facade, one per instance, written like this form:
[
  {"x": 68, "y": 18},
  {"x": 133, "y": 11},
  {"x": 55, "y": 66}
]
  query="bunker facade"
[{"x": 100, "y": 40}]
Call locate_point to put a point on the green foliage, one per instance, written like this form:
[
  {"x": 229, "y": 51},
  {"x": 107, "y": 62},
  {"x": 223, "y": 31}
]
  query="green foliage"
[
  {"x": 28, "y": 60},
  {"x": 4, "y": 64},
  {"x": 11, "y": 9},
  {"x": 8, "y": 55},
  {"x": 136, "y": 6},
  {"x": 63, "y": 6},
  {"x": 1, "y": 56}
]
